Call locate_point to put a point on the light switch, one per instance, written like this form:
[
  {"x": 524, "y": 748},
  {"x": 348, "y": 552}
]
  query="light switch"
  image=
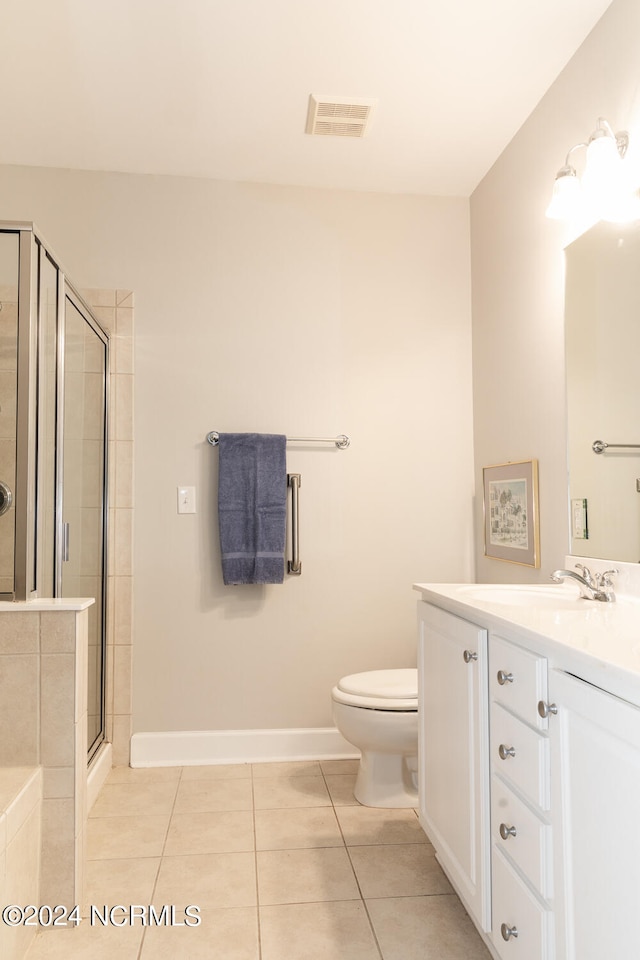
[{"x": 186, "y": 499}]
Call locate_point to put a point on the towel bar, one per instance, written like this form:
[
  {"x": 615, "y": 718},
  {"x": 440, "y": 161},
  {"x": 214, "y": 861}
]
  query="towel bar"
[
  {"x": 294, "y": 566},
  {"x": 341, "y": 441},
  {"x": 599, "y": 446}
]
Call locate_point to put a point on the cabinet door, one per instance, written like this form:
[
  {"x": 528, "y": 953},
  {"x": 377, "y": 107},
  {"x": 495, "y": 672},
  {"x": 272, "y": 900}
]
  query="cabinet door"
[
  {"x": 453, "y": 752},
  {"x": 595, "y": 751}
]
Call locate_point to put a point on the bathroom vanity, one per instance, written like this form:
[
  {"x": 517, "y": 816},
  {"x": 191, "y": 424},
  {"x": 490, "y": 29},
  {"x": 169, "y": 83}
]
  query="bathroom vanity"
[{"x": 529, "y": 752}]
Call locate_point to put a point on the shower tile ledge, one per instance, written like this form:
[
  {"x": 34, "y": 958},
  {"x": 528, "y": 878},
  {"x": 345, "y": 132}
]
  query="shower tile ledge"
[{"x": 62, "y": 603}]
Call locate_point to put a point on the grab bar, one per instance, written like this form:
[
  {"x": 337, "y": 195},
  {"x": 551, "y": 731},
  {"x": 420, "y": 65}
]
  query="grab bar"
[{"x": 294, "y": 566}]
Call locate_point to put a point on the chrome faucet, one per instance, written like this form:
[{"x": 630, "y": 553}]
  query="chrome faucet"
[{"x": 597, "y": 586}]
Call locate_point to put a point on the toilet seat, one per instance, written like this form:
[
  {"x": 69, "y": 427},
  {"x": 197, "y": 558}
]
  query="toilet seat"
[{"x": 379, "y": 690}]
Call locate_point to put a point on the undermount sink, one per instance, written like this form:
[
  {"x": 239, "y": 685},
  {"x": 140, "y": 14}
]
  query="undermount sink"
[{"x": 533, "y": 595}]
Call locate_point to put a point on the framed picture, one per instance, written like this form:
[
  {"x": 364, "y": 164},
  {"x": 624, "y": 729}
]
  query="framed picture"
[{"x": 511, "y": 529}]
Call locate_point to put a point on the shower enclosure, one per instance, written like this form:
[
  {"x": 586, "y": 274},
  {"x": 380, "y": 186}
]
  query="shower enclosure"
[{"x": 54, "y": 402}]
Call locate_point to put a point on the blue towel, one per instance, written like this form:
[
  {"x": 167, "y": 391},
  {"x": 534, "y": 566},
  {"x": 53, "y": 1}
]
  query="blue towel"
[{"x": 252, "y": 507}]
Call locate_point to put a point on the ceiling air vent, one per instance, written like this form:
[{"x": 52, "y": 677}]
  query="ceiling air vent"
[{"x": 338, "y": 116}]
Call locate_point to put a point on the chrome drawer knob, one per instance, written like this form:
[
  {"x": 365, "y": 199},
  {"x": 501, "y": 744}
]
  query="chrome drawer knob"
[
  {"x": 469, "y": 655},
  {"x": 508, "y": 932},
  {"x": 506, "y": 832},
  {"x": 544, "y": 709},
  {"x": 504, "y": 677},
  {"x": 506, "y": 752}
]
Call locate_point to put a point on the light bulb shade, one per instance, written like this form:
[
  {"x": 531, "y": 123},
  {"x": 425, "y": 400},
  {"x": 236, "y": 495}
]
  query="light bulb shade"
[
  {"x": 566, "y": 199},
  {"x": 608, "y": 189},
  {"x": 607, "y": 183},
  {"x": 604, "y": 169}
]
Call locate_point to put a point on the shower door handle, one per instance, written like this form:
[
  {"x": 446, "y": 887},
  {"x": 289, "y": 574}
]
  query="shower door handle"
[{"x": 65, "y": 542}]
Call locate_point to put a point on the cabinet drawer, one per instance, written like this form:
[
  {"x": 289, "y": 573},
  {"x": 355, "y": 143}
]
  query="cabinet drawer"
[
  {"x": 517, "y": 909},
  {"x": 518, "y": 680},
  {"x": 530, "y": 846},
  {"x": 521, "y": 755}
]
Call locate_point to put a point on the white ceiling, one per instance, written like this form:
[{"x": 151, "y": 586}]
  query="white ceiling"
[{"x": 219, "y": 88}]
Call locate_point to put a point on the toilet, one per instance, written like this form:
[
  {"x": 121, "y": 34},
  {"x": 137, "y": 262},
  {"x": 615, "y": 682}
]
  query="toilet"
[{"x": 377, "y": 712}]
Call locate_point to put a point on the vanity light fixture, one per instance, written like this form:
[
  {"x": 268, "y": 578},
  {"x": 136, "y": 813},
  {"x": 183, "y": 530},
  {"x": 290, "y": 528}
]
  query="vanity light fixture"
[{"x": 605, "y": 189}]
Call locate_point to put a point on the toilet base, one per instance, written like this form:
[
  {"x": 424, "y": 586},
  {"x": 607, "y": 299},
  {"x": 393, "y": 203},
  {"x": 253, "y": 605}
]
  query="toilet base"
[
  {"x": 388, "y": 744},
  {"x": 387, "y": 780}
]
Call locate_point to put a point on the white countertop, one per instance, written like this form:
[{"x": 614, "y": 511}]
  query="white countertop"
[{"x": 599, "y": 642}]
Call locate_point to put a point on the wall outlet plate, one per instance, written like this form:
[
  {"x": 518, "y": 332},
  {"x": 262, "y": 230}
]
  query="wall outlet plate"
[{"x": 579, "y": 525}]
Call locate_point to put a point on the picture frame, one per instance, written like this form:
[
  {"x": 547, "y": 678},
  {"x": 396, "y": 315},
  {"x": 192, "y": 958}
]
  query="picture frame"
[{"x": 511, "y": 523}]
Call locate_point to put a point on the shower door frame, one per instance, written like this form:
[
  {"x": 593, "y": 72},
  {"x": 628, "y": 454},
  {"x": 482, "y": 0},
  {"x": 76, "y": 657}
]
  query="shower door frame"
[
  {"x": 25, "y": 577},
  {"x": 28, "y": 564},
  {"x": 66, "y": 291}
]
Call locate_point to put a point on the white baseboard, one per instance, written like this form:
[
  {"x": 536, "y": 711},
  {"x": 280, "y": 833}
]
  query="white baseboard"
[
  {"x": 184, "y": 748},
  {"x": 98, "y": 772}
]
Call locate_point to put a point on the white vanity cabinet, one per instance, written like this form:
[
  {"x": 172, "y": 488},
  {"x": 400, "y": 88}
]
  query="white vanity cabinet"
[
  {"x": 530, "y": 770},
  {"x": 595, "y": 796},
  {"x": 454, "y": 765}
]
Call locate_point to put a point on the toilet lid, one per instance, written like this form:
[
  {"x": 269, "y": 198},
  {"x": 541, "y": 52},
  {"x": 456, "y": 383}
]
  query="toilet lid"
[{"x": 382, "y": 684}]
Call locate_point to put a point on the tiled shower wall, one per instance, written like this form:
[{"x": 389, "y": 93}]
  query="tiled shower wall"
[
  {"x": 114, "y": 310},
  {"x": 43, "y": 649},
  {"x": 43, "y": 722}
]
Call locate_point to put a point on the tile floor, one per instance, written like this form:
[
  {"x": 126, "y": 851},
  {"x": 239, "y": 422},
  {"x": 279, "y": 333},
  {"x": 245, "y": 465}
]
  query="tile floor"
[{"x": 283, "y": 863}]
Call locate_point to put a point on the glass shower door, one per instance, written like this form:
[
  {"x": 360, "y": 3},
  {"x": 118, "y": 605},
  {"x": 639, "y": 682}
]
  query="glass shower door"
[
  {"x": 9, "y": 258},
  {"x": 81, "y": 548}
]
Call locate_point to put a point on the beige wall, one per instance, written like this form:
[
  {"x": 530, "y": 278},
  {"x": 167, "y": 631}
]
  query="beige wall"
[
  {"x": 280, "y": 310},
  {"x": 517, "y": 277}
]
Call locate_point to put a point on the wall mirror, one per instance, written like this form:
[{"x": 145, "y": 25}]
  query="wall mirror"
[{"x": 602, "y": 330}]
